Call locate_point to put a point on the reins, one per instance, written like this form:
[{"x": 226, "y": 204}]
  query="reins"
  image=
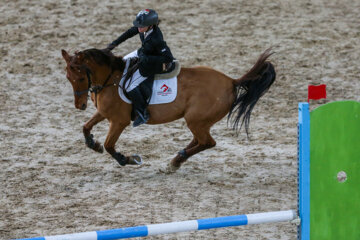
[
  {"x": 131, "y": 66},
  {"x": 95, "y": 89}
]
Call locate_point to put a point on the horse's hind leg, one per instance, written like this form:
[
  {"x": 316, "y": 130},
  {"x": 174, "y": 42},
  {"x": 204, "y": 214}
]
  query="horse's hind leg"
[
  {"x": 181, "y": 157},
  {"x": 193, "y": 143},
  {"x": 202, "y": 141},
  {"x": 89, "y": 138}
]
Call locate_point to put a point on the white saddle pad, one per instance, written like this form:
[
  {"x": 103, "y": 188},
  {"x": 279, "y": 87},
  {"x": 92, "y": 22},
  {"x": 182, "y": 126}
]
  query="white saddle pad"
[{"x": 164, "y": 90}]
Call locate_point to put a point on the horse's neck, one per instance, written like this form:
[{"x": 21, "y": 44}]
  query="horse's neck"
[{"x": 100, "y": 74}]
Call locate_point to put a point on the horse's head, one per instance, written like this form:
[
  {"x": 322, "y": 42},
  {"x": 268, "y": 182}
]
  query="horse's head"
[
  {"x": 88, "y": 67},
  {"x": 77, "y": 75}
]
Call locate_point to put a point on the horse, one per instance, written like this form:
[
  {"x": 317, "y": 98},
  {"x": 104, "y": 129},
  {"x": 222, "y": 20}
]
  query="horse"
[{"x": 204, "y": 97}]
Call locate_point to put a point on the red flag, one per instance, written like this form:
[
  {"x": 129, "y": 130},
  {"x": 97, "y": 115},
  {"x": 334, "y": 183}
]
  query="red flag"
[{"x": 316, "y": 92}]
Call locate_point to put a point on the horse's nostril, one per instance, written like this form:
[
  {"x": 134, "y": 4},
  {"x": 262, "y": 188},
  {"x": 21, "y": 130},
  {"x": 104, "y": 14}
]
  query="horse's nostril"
[{"x": 83, "y": 107}]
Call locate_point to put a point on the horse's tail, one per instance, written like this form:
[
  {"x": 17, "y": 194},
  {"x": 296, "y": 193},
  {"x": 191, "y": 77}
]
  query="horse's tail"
[{"x": 249, "y": 88}]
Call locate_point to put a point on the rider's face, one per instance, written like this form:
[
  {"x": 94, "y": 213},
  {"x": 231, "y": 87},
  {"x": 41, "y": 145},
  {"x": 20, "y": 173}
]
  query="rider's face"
[{"x": 142, "y": 30}]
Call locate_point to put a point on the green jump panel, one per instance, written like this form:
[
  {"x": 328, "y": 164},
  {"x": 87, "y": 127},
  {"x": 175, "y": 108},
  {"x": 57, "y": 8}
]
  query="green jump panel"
[{"x": 335, "y": 148}]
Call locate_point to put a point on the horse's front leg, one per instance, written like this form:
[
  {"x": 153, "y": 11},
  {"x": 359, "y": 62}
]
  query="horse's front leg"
[
  {"x": 114, "y": 133},
  {"x": 89, "y": 138}
]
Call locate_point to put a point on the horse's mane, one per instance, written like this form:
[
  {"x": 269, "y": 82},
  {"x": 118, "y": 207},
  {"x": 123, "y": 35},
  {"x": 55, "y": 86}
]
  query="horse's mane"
[{"x": 105, "y": 57}]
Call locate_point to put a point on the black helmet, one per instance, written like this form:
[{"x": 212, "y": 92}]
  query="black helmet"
[{"x": 146, "y": 18}]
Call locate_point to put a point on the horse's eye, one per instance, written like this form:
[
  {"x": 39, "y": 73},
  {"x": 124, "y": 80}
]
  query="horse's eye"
[{"x": 81, "y": 79}]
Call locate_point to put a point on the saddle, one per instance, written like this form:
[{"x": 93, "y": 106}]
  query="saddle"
[
  {"x": 146, "y": 87},
  {"x": 172, "y": 71}
]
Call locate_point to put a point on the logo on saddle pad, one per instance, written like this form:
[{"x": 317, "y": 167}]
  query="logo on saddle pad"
[{"x": 164, "y": 90}]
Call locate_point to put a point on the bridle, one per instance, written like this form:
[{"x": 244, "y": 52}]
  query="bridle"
[
  {"x": 79, "y": 93},
  {"x": 95, "y": 89}
]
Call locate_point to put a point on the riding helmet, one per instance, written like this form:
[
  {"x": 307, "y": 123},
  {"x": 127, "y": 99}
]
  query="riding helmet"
[{"x": 146, "y": 18}]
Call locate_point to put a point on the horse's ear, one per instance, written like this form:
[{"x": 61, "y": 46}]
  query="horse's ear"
[{"x": 65, "y": 55}]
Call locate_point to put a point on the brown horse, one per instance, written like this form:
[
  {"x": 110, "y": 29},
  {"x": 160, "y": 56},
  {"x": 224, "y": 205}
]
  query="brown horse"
[{"x": 204, "y": 97}]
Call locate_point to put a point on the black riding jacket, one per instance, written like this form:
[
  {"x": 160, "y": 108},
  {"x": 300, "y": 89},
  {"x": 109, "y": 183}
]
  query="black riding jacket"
[{"x": 153, "y": 53}]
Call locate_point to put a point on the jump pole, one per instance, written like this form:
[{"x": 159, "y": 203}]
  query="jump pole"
[{"x": 175, "y": 227}]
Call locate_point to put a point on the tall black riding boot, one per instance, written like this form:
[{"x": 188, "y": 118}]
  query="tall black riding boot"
[{"x": 139, "y": 105}]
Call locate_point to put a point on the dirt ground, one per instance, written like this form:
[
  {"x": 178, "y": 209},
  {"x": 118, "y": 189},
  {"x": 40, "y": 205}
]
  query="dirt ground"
[{"x": 50, "y": 183}]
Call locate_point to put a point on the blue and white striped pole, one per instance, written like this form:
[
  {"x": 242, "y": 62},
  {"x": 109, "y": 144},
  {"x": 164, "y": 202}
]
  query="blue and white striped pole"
[{"x": 174, "y": 227}]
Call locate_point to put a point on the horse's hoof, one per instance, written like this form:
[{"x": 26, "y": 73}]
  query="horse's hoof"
[
  {"x": 169, "y": 169},
  {"x": 135, "y": 160}
]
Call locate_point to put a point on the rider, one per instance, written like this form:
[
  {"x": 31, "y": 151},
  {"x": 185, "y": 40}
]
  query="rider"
[{"x": 154, "y": 57}]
